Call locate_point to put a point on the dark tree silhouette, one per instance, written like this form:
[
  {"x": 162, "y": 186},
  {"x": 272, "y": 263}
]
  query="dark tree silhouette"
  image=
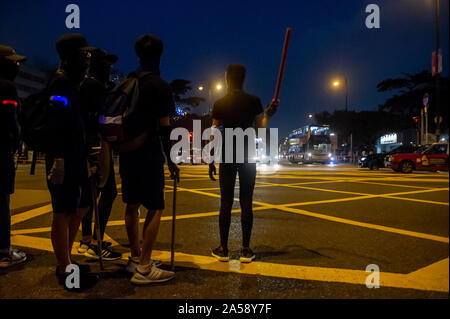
[
  {"x": 410, "y": 89},
  {"x": 180, "y": 88}
]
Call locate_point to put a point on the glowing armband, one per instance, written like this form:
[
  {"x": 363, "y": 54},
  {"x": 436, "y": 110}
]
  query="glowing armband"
[
  {"x": 58, "y": 98},
  {"x": 11, "y": 102}
]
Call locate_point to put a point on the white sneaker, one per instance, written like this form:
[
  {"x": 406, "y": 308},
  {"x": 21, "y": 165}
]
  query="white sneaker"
[
  {"x": 133, "y": 262},
  {"x": 153, "y": 275},
  {"x": 83, "y": 248},
  {"x": 12, "y": 258}
]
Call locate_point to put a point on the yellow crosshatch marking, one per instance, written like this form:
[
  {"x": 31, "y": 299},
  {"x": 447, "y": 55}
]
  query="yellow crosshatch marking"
[{"x": 434, "y": 277}]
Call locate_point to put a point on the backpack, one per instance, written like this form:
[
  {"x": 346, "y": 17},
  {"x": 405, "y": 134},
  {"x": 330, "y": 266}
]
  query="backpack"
[
  {"x": 33, "y": 118},
  {"x": 119, "y": 107}
]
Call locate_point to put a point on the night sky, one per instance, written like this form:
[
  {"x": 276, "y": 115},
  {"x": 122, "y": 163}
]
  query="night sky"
[{"x": 202, "y": 37}]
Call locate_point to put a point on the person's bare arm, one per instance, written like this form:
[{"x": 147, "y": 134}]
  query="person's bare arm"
[
  {"x": 164, "y": 121},
  {"x": 212, "y": 167},
  {"x": 261, "y": 122}
]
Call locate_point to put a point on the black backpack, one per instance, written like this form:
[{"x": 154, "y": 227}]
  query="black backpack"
[
  {"x": 34, "y": 116},
  {"x": 34, "y": 113},
  {"x": 119, "y": 108}
]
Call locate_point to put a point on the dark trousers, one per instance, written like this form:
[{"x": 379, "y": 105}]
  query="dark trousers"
[
  {"x": 105, "y": 203},
  {"x": 227, "y": 177},
  {"x": 5, "y": 222}
]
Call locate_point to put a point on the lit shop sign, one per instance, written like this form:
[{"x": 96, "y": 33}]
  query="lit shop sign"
[{"x": 389, "y": 138}]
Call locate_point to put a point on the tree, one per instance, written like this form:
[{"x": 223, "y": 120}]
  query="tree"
[
  {"x": 410, "y": 89},
  {"x": 182, "y": 87}
]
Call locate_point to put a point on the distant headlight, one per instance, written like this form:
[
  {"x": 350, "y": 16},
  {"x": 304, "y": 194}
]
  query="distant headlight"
[
  {"x": 309, "y": 154},
  {"x": 329, "y": 154}
]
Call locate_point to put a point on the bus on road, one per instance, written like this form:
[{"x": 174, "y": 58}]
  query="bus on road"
[{"x": 310, "y": 144}]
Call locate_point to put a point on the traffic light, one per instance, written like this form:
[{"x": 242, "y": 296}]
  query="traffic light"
[{"x": 416, "y": 120}]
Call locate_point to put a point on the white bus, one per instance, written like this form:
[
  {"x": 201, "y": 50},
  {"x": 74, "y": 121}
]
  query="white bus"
[{"x": 310, "y": 144}]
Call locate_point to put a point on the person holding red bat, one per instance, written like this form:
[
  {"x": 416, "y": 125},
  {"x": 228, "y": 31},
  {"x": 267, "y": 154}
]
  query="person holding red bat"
[{"x": 237, "y": 109}]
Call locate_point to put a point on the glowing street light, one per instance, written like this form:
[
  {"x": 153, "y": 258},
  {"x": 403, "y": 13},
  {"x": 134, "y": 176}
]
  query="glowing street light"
[
  {"x": 210, "y": 87},
  {"x": 337, "y": 83}
]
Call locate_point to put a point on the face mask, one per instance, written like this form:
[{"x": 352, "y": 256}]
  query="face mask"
[
  {"x": 77, "y": 66},
  {"x": 9, "y": 69}
]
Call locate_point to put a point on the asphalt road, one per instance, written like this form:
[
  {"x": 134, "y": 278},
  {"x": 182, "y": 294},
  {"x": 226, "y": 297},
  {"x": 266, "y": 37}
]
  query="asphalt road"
[{"x": 316, "y": 229}]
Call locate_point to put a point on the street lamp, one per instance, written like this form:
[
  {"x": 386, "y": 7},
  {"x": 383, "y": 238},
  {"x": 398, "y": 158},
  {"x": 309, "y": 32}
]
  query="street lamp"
[
  {"x": 337, "y": 83},
  {"x": 438, "y": 45},
  {"x": 217, "y": 87}
]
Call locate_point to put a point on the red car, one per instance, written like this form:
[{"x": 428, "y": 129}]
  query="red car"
[{"x": 434, "y": 158}]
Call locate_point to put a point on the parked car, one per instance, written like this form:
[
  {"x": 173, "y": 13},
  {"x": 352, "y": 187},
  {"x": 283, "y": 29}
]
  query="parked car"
[
  {"x": 434, "y": 158},
  {"x": 376, "y": 161}
]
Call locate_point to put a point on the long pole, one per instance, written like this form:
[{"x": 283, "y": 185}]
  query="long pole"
[
  {"x": 421, "y": 126},
  {"x": 426, "y": 125},
  {"x": 346, "y": 94},
  {"x": 174, "y": 204},
  {"x": 438, "y": 131},
  {"x": 209, "y": 98},
  {"x": 282, "y": 63},
  {"x": 97, "y": 221}
]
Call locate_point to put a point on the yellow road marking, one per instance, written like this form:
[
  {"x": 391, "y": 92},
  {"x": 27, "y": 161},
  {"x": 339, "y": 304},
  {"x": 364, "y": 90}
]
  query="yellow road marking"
[
  {"x": 362, "y": 224},
  {"x": 418, "y": 200},
  {"x": 178, "y": 217},
  {"x": 387, "y": 184},
  {"x": 17, "y": 218},
  {"x": 423, "y": 279},
  {"x": 31, "y": 231},
  {"x": 347, "y": 221}
]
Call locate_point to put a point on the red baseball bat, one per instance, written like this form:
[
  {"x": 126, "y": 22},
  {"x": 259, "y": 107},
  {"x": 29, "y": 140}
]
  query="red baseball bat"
[{"x": 282, "y": 64}]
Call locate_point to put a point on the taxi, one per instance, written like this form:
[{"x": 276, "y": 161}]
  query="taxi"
[{"x": 434, "y": 158}]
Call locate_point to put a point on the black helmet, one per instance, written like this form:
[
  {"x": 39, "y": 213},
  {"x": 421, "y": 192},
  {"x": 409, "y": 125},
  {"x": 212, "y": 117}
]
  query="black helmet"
[{"x": 70, "y": 44}]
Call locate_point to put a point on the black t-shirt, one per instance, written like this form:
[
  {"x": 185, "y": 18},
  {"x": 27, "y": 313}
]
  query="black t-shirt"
[
  {"x": 9, "y": 135},
  {"x": 92, "y": 94},
  {"x": 237, "y": 109},
  {"x": 155, "y": 101}
]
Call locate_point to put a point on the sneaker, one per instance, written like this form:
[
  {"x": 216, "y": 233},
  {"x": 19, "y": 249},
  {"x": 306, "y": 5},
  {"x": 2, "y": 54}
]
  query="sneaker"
[
  {"x": 153, "y": 275},
  {"x": 133, "y": 262},
  {"x": 106, "y": 244},
  {"x": 220, "y": 253},
  {"x": 84, "y": 246},
  {"x": 107, "y": 253},
  {"x": 87, "y": 280},
  {"x": 12, "y": 258},
  {"x": 247, "y": 255}
]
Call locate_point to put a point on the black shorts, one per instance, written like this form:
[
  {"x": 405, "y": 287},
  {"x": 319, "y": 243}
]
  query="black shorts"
[
  {"x": 71, "y": 195},
  {"x": 142, "y": 183}
]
